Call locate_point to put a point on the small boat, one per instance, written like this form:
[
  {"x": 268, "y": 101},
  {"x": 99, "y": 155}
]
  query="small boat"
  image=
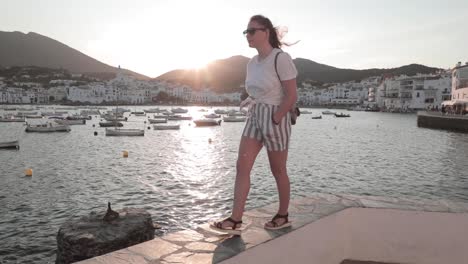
[
  {"x": 327, "y": 112},
  {"x": 178, "y": 117},
  {"x": 152, "y": 110},
  {"x": 110, "y": 124},
  {"x": 12, "y": 119},
  {"x": 220, "y": 112},
  {"x": 109, "y": 118},
  {"x": 9, "y": 144},
  {"x": 159, "y": 116},
  {"x": 26, "y": 113},
  {"x": 138, "y": 113},
  {"x": 33, "y": 116},
  {"x": 166, "y": 127},
  {"x": 121, "y": 132},
  {"x": 212, "y": 116},
  {"x": 157, "y": 120},
  {"x": 235, "y": 113},
  {"x": 306, "y": 112},
  {"x": 70, "y": 122},
  {"x": 342, "y": 115},
  {"x": 179, "y": 110},
  {"x": 207, "y": 122},
  {"x": 317, "y": 117},
  {"x": 78, "y": 117},
  {"x": 46, "y": 128},
  {"x": 233, "y": 119}
]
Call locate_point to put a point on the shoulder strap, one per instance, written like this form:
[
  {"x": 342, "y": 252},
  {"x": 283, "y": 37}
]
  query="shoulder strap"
[{"x": 276, "y": 63}]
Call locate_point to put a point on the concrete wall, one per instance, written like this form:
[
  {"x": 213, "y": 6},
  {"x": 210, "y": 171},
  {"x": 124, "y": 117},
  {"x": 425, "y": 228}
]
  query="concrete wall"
[
  {"x": 384, "y": 235},
  {"x": 438, "y": 121}
]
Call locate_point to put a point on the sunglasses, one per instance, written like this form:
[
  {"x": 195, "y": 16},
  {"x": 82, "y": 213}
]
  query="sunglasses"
[{"x": 251, "y": 31}]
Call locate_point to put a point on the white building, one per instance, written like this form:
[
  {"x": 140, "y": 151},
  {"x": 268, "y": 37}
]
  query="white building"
[
  {"x": 459, "y": 96},
  {"x": 416, "y": 92}
]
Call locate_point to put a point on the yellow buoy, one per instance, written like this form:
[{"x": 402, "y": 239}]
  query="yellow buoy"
[
  {"x": 125, "y": 154},
  {"x": 28, "y": 172}
]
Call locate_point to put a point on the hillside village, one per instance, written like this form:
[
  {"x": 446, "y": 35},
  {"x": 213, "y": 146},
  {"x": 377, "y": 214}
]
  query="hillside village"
[{"x": 34, "y": 85}]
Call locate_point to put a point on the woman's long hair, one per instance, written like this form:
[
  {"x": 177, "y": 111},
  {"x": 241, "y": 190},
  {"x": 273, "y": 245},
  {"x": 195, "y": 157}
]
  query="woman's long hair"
[{"x": 275, "y": 35}]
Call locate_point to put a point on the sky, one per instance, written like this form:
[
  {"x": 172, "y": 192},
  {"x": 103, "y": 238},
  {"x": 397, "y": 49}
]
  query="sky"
[{"x": 152, "y": 37}]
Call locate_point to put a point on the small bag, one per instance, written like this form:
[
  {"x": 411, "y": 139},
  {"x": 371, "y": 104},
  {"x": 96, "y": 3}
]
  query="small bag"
[{"x": 295, "y": 112}]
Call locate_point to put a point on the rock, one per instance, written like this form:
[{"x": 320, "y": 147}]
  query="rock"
[{"x": 91, "y": 236}]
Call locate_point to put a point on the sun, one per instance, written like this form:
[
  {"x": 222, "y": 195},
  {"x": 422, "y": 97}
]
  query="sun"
[{"x": 195, "y": 61}]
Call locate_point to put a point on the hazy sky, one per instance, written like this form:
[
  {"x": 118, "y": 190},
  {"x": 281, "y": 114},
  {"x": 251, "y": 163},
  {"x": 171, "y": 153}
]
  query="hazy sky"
[{"x": 155, "y": 36}]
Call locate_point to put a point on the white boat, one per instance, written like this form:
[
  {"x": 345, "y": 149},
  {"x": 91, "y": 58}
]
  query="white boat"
[
  {"x": 110, "y": 124},
  {"x": 152, "y": 110},
  {"x": 12, "y": 119},
  {"x": 138, "y": 113},
  {"x": 157, "y": 121},
  {"x": 26, "y": 113},
  {"x": 166, "y": 127},
  {"x": 233, "y": 119},
  {"x": 207, "y": 122},
  {"x": 113, "y": 118},
  {"x": 212, "y": 116},
  {"x": 178, "y": 117},
  {"x": 179, "y": 110},
  {"x": 48, "y": 127},
  {"x": 235, "y": 113},
  {"x": 124, "y": 132},
  {"x": 33, "y": 116},
  {"x": 327, "y": 112},
  {"x": 10, "y": 144},
  {"x": 220, "y": 112},
  {"x": 70, "y": 122},
  {"x": 159, "y": 116},
  {"x": 306, "y": 112}
]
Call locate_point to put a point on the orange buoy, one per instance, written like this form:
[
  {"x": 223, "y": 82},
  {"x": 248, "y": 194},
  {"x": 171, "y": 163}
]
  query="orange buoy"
[
  {"x": 125, "y": 154},
  {"x": 28, "y": 172}
]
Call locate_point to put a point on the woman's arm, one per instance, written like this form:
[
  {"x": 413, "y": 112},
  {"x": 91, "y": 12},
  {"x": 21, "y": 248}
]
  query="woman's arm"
[{"x": 290, "y": 97}]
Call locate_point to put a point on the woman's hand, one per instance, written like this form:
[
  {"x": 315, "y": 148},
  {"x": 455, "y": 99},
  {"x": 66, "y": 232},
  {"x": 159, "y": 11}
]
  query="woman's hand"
[{"x": 276, "y": 118}]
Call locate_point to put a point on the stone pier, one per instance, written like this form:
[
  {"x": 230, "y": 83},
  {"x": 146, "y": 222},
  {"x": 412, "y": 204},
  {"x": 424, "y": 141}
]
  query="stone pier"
[{"x": 326, "y": 229}]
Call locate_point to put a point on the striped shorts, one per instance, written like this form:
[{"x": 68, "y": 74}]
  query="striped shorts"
[{"x": 260, "y": 126}]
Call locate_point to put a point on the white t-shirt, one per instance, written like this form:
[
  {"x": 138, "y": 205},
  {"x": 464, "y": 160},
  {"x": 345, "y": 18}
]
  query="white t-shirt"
[{"x": 262, "y": 82}]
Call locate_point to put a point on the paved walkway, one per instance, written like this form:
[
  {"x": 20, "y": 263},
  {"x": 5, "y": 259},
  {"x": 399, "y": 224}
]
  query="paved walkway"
[{"x": 203, "y": 245}]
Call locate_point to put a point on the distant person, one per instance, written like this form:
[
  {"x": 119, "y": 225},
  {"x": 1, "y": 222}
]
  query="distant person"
[{"x": 268, "y": 123}]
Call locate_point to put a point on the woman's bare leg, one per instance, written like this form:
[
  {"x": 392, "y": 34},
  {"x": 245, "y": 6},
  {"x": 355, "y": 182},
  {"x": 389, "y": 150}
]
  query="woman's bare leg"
[
  {"x": 248, "y": 151},
  {"x": 278, "y": 161}
]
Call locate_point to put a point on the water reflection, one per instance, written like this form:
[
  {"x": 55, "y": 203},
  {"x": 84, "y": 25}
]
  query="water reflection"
[{"x": 183, "y": 180}]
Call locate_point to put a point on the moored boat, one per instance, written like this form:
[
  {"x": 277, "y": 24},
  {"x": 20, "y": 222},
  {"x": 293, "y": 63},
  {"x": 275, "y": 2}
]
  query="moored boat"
[
  {"x": 233, "y": 119},
  {"x": 130, "y": 132},
  {"x": 70, "y": 122},
  {"x": 212, "y": 116},
  {"x": 12, "y": 119},
  {"x": 166, "y": 127},
  {"x": 9, "y": 144},
  {"x": 48, "y": 127},
  {"x": 179, "y": 110},
  {"x": 207, "y": 122},
  {"x": 342, "y": 115},
  {"x": 157, "y": 120},
  {"x": 110, "y": 124}
]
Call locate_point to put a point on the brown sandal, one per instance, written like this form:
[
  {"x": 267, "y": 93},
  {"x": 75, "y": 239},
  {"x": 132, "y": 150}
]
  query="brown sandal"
[
  {"x": 275, "y": 225},
  {"x": 234, "y": 230}
]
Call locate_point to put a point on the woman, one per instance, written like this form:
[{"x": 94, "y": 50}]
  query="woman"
[{"x": 272, "y": 93}]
